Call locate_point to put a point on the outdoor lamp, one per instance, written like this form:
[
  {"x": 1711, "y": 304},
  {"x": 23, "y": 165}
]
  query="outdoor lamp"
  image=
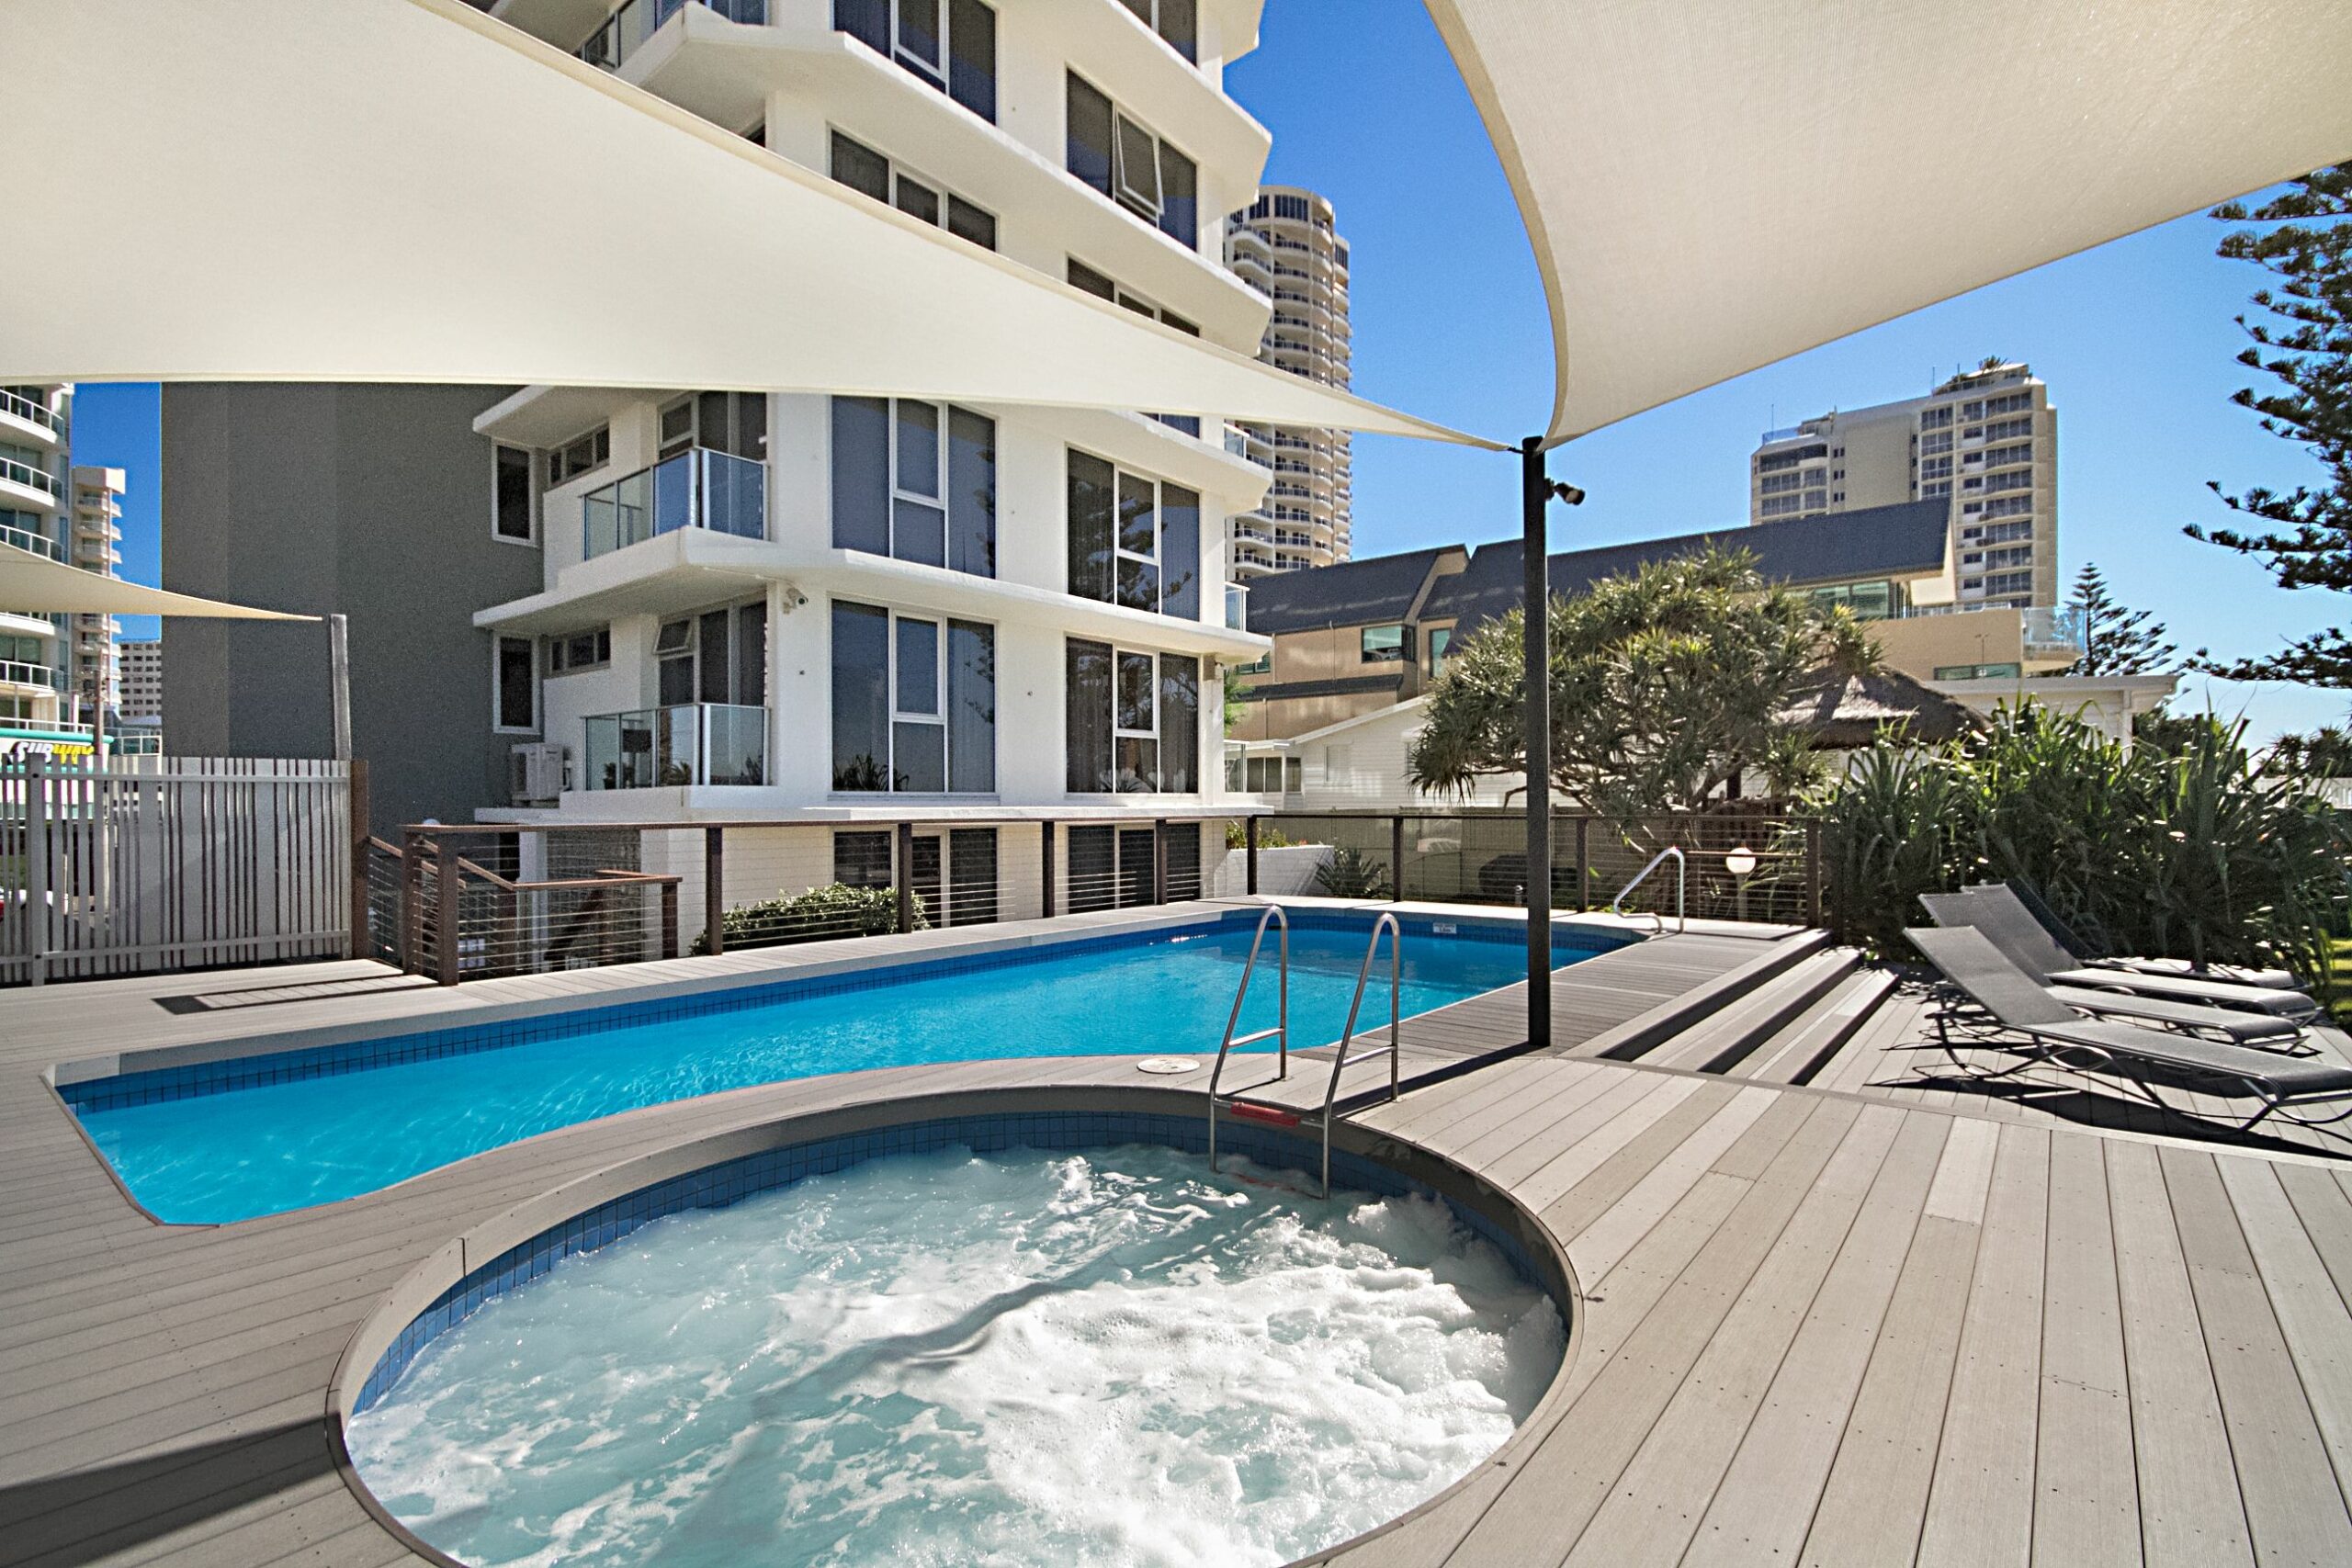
[{"x": 1740, "y": 862}]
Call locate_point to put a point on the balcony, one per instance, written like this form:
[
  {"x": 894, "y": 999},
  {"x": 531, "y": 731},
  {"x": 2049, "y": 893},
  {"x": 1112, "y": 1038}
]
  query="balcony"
[
  {"x": 25, "y": 476},
  {"x": 689, "y": 744},
  {"x": 38, "y": 544},
  {"x": 25, "y": 410},
  {"x": 15, "y": 672},
  {"x": 626, "y": 29},
  {"x": 697, "y": 489}
]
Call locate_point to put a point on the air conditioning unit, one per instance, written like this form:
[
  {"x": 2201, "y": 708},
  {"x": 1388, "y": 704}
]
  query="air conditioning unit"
[{"x": 536, "y": 773}]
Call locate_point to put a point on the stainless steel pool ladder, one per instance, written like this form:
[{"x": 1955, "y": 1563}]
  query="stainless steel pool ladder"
[
  {"x": 1681, "y": 909},
  {"x": 1246, "y": 1107}
]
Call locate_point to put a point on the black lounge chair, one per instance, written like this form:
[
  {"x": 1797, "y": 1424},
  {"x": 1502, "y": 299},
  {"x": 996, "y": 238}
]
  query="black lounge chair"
[
  {"x": 2008, "y": 925},
  {"x": 2052, "y": 1036},
  {"x": 2080, "y": 951}
]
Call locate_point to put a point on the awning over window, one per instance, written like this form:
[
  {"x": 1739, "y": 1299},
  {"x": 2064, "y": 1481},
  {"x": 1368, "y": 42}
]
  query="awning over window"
[
  {"x": 406, "y": 190},
  {"x": 1714, "y": 185},
  {"x": 30, "y": 584}
]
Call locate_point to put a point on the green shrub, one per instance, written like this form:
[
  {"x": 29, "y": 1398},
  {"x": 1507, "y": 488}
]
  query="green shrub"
[
  {"x": 1236, "y": 836},
  {"x": 2183, "y": 851},
  {"x": 818, "y": 915},
  {"x": 1352, "y": 873}
]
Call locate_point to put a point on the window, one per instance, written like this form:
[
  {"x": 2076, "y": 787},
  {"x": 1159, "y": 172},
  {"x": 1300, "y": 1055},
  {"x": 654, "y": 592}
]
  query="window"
[
  {"x": 1935, "y": 418},
  {"x": 1383, "y": 644},
  {"x": 1778, "y": 505},
  {"x": 2009, "y": 583},
  {"x": 1941, "y": 441},
  {"x": 1977, "y": 671},
  {"x": 1122, "y": 159},
  {"x": 1100, "y": 285},
  {"x": 1935, "y": 468},
  {"x": 862, "y": 859},
  {"x": 949, "y": 43},
  {"x": 1134, "y": 540},
  {"x": 1776, "y": 484},
  {"x": 1441, "y": 642},
  {"x": 714, "y": 655},
  {"x": 732, "y": 423},
  {"x": 916, "y": 482},
  {"x": 2015, "y": 479},
  {"x": 580, "y": 651},
  {"x": 1178, "y": 22},
  {"x": 514, "y": 707},
  {"x": 2011, "y": 402},
  {"x": 2013, "y": 555},
  {"x": 1780, "y": 461},
  {"x": 2009, "y": 506},
  {"x": 915, "y": 702},
  {"x": 580, "y": 455},
  {"x": 1868, "y": 600},
  {"x": 1133, "y": 721},
  {"x": 512, "y": 514},
  {"x": 2002, "y": 456},
  {"x": 862, "y": 168}
]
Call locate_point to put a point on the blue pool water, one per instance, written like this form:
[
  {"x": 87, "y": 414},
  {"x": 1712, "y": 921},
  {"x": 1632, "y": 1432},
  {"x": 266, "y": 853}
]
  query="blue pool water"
[{"x": 371, "y": 1118}]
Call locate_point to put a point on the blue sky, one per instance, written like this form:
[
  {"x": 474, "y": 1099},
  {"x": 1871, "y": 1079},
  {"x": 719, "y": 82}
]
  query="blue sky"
[{"x": 2136, "y": 340}]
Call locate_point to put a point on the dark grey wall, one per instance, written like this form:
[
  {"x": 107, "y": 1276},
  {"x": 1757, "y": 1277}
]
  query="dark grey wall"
[{"x": 369, "y": 501}]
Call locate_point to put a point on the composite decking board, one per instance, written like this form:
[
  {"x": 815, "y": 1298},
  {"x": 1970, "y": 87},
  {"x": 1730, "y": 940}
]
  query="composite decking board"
[
  {"x": 1799, "y": 1050},
  {"x": 1575, "y": 1468},
  {"x": 2326, "y": 1213},
  {"x": 2190, "y": 1511},
  {"x": 2311, "y": 1315},
  {"x": 1764, "y": 1505},
  {"x": 1980, "y": 1498},
  {"x": 2294, "y": 1505},
  {"x": 1695, "y": 1447},
  {"x": 2086, "y": 1507}
]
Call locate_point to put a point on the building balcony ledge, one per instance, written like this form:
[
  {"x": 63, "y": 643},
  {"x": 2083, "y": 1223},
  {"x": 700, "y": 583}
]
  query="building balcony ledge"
[{"x": 724, "y": 71}]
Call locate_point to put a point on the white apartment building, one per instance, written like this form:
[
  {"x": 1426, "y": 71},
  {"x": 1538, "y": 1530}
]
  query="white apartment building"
[
  {"x": 856, "y": 610},
  {"x": 93, "y": 675},
  {"x": 142, "y": 666},
  {"x": 1286, "y": 245},
  {"x": 36, "y": 659},
  {"x": 1987, "y": 438}
]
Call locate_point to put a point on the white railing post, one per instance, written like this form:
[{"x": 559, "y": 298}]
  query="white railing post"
[{"x": 38, "y": 916}]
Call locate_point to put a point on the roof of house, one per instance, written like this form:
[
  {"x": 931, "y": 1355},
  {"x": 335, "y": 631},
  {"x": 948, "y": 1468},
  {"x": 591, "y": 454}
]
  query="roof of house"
[
  {"x": 1848, "y": 713},
  {"x": 1356, "y": 592},
  {"x": 1835, "y": 546}
]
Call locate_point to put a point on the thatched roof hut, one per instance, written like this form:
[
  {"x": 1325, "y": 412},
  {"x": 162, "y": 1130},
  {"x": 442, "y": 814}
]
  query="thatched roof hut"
[{"x": 1848, "y": 713}]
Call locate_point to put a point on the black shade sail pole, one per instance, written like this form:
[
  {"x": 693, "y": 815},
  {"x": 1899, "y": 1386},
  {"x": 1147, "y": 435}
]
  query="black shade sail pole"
[{"x": 1535, "y": 489}]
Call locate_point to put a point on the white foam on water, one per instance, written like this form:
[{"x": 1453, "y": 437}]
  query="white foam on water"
[{"x": 1018, "y": 1359}]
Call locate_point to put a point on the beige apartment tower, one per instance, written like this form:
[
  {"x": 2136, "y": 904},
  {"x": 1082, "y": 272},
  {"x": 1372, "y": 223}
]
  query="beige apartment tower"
[
  {"x": 1286, "y": 246},
  {"x": 1987, "y": 438}
]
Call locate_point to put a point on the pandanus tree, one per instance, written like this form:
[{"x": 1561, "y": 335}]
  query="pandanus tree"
[{"x": 1668, "y": 683}]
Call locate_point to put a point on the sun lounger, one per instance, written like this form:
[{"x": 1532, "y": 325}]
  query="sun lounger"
[
  {"x": 2009, "y": 926},
  {"x": 2051, "y": 1036},
  {"x": 2276, "y": 979}
]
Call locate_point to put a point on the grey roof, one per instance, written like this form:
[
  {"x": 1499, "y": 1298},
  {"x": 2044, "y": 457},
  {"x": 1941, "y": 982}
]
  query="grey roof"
[
  {"x": 1353, "y": 594},
  {"x": 1848, "y": 712},
  {"x": 1835, "y": 546},
  {"x": 1274, "y": 691}
]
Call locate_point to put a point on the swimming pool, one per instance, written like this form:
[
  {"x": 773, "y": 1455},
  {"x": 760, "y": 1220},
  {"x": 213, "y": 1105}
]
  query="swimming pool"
[
  {"x": 260, "y": 1134},
  {"x": 1037, "y": 1338}
]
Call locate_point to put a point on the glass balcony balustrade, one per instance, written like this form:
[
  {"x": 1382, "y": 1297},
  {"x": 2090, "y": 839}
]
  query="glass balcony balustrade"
[
  {"x": 611, "y": 45},
  {"x": 697, "y": 489},
  {"x": 28, "y": 411},
  {"x": 18, "y": 471},
  {"x": 25, "y": 539},
  {"x": 15, "y": 672},
  {"x": 669, "y": 748}
]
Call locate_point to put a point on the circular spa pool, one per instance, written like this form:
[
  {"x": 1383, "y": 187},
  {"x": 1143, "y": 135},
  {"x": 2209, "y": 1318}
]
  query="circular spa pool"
[{"x": 1005, "y": 1341}]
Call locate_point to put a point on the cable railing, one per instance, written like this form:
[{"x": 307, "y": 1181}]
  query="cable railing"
[{"x": 1756, "y": 864}]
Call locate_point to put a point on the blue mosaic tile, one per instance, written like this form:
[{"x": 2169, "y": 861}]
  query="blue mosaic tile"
[{"x": 721, "y": 1185}]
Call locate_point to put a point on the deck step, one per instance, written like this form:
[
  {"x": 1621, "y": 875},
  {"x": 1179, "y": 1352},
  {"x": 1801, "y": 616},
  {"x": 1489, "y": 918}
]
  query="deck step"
[
  {"x": 1723, "y": 1037},
  {"x": 1809, "y": 1041},
  {"x": 1627, "y": 1041}
]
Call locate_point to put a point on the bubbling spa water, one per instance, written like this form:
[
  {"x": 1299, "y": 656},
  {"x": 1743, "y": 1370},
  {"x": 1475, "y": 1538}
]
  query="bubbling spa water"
[{"x": 1009, "y": 1359}]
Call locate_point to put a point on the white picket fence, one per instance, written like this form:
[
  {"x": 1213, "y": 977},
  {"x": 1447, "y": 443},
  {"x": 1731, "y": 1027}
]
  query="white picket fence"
[{"x": 142, "y": 864}]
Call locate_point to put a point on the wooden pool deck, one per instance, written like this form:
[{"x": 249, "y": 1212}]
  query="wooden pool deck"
[{"x": 1814, "y": 1323}]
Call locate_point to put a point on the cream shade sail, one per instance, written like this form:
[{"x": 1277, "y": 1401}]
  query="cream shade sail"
[
  {"x": 406, "y": 190},
  {"x": 1714, "y": 185},
  {"x": 31, "y": 583}
]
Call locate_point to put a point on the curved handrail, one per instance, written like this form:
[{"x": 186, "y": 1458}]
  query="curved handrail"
[
  {"x": 1682, "y": 875},
  {"x": 1281, "y": 1030},
  {"x": 1386, "y": 922}
]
